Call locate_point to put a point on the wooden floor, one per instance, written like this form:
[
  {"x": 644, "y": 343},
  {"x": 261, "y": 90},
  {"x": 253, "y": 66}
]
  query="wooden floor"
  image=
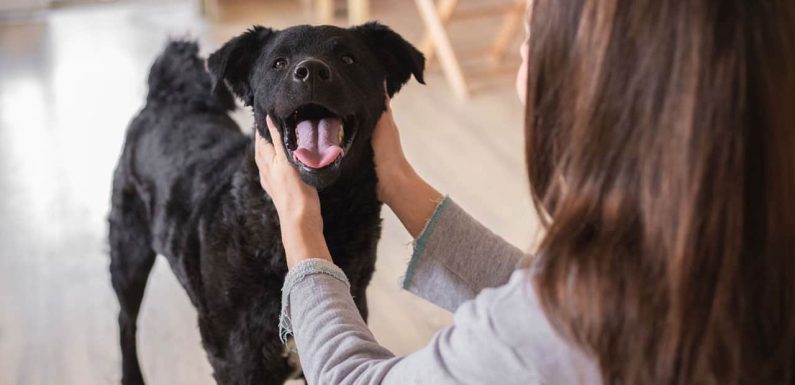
[{"x": 71, "y": 79}]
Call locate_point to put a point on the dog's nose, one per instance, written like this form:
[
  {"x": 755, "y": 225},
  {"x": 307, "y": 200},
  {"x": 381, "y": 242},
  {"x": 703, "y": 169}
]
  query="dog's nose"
[{"x": 311, "y": 70}]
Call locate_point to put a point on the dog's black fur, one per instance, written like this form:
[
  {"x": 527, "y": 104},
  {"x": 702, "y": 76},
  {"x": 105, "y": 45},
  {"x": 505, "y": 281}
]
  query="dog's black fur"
[{"x": 187, "y": 187}]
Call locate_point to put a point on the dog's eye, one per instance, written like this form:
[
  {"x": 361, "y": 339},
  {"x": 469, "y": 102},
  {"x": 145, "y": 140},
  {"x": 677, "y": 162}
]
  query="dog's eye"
[
  {"x": 348, "y": 59},
  {"x": 280, "y": 63}
]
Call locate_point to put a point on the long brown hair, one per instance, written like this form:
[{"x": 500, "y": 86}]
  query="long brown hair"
[{"x": 661, "y": 156}]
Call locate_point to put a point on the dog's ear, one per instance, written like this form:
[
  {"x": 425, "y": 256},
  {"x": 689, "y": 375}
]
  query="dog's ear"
[
  {"x": 233, "y": 62},
  {"x": 399, "y": 57}
]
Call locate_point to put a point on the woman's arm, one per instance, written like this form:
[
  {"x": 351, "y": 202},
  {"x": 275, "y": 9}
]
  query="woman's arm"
[
  {"x": 502, "y": 337},
  {"x": 297, "y": 203},
  {"x": 455, "y": 256},
  {"x": 411, "y": 198}
]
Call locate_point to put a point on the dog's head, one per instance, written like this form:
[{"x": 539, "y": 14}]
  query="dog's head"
[{"x": 322, "y": 86}]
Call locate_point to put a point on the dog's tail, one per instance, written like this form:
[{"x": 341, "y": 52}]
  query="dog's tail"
[{"x": 179, "y": 77}]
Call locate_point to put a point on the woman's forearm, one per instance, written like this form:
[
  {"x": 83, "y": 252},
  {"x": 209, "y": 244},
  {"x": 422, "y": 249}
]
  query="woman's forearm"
[
  {"x": 302, "y": 237},
  {"x": 412, "y": 199}
]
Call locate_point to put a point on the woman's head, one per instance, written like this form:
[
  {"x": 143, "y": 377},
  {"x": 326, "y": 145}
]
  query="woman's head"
[{"x": 661, "y": 154}]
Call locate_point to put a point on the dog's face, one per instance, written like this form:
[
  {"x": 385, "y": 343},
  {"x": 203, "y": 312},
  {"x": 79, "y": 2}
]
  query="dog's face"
[{"x": 322, "y": 86}]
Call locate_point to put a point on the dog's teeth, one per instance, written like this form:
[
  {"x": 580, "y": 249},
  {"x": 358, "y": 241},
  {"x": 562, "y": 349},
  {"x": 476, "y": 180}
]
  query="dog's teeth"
[{"x": 341, "y": 135}]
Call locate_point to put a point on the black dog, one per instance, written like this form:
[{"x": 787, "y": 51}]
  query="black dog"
[{"x": 187, "y": 187}]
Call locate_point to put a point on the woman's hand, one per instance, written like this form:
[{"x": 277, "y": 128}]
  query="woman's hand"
[
  {"x": 296, "y": 202},
  {"x": 293, "y": 198},
  {"x": 399, "y": 186},
  {"x": 391, "y": 165}
]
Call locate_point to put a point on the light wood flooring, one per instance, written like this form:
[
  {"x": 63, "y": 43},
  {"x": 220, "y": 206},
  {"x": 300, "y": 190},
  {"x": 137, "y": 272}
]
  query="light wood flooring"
[{"x": 71, "y": 79}]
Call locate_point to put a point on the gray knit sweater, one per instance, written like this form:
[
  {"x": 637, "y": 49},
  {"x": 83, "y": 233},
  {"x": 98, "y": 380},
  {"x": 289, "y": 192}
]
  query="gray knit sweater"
[{"x": 499, "y": 336}]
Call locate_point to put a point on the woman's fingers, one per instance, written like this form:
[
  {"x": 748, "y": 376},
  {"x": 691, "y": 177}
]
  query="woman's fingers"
[
  {"x": 276, "y": 137},
  {"x": 387, "y": 100},
  {"x": 385, "y": 128},
  {"x": 265, "y": 157},
  {"x": 387, "y": 114},
  {"x": 263, "y": 151}
]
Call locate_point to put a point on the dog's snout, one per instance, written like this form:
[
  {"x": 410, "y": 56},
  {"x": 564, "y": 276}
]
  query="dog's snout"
[{"x": 312, "y": 70}]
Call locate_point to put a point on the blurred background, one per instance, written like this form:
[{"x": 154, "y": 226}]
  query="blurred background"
[{"x": 72, "y": 75}]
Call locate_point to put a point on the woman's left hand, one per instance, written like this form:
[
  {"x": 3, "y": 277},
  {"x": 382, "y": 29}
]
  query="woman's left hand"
[{"x": 296, "y": 202}]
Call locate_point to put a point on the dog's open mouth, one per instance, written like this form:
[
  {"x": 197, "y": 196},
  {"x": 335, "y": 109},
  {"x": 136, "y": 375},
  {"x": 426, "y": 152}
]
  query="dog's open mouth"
[{"x": 316, "y": 137}]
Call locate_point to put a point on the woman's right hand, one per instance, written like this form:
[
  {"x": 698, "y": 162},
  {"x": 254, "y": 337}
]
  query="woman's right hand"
[
  {"x": 403, "y": 190},
  {"x": 391, "y": 165}
]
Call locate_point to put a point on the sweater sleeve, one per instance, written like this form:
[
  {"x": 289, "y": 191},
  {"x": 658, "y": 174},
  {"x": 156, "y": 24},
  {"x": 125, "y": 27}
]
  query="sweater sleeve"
[
  {"x": 455, "y": 257},
  {"x": 499, "y": 334},
  {"x": 491, "y": 341}
]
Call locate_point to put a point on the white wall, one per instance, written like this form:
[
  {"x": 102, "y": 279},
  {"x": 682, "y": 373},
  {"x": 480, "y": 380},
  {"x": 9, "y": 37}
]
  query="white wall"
[{"x": 22, "y": 5}]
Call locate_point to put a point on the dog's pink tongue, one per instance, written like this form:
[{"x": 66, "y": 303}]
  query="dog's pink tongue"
[{"x": 318, "y": 142}]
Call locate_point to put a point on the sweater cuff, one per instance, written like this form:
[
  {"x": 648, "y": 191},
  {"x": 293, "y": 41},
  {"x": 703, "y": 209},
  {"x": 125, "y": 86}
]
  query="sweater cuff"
[
  {"x": 422, "y": 240},
  {"x": 456, "y": 256},
  {"x": 300, "y": 271}
]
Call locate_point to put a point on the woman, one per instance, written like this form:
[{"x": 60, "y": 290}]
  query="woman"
[{"x": 660, "y": 144}]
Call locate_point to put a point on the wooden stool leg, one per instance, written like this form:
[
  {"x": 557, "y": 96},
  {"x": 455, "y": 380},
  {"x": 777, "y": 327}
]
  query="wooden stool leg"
[
  {"x": 325, "y": 11},
  {"x": 513, "y": 21},
  {"x": 358, "y": 11},
  {"x": 445, "y": 10},
  {"x": 209, "y": 9},
  {"x": 450, "y": 65}
]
